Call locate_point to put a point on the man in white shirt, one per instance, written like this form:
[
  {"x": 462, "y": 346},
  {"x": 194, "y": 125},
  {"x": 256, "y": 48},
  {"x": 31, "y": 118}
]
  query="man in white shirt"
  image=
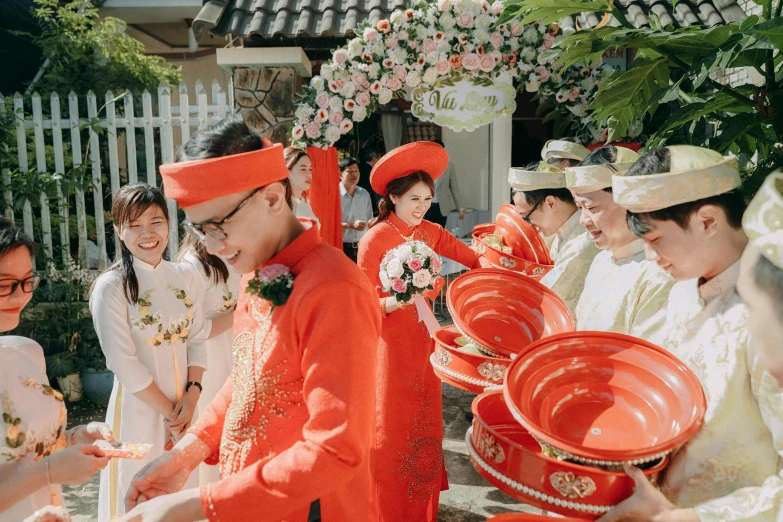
[
  {"x": 447, "y": 196},
  {"x": 356, "y": 207}
]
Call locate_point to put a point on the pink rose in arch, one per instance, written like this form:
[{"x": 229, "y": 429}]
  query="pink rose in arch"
[
  {"x": 321, "y": 116},
  {"x": 455, "y": 61},
  {"x": 371, "y": 35},
  {"x": 400, "y": 73},
  {"x": 384, "y": 26},
  {"x": 549, "y": 41},
  {"x": 471, "y": 61},
  {"x": 375, "y": 88},
  {"x": 465, "y": 20},
  {"x": 543, "y": 73},
  {"x": 363, "y": 98},
  {"x": 443, "y": 5},
  {"x": 496, "y": 39},
  {"x": 391, "y": 42},
  {"x": 399, "y": 286},
  {"x": 313, "y": 131},
  {"x": 345, "y": 126},
  {"x": 574, "y": 94},
  {"x": 367, "y": 57},
  {"x": 487, "y": 63},
  {"x": 517, "y": 30},
  {"x": 439, "y": 36},
  {"x": 360, "y": 79},
  {"x": 443, "y": 67},
  {"x": 435, "y": 264},
  {"x": 429, "y": 45},
  {"x": 395, "y": 84},
  {"x": 322, "y": 100},
  {"x": 388, "y": 63},
  {"x": 336, "y": 117},
  {"x": 413, "y": 44},
  {"x": 349, "y": 105},
  {"x": 340, "y": 57},
  {"x": 463, "y": 38},
  {"x": 415, "y": 264},
  {"x": 409, "y": 14}
]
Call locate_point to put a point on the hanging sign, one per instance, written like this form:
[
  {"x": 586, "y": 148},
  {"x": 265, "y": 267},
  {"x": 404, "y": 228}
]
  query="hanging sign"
[
  {"x": 463, "y": 102},
  {"x": 617, "y": 59}
]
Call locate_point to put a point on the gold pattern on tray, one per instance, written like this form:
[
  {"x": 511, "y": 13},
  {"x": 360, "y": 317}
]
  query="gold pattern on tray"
[{"x": 571, "y": 486}]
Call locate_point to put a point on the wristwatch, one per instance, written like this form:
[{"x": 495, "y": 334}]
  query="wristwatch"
[{"x": 194, "y": 383}]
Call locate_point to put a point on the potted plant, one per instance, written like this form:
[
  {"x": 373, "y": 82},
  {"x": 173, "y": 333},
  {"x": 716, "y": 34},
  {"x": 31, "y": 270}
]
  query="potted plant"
[
  {"x": 62, "y": 369},
  {"x": 96, "y": 378}
]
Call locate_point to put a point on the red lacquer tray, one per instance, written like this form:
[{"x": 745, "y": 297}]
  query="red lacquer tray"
[
  {"x": 503, "y": 312},
  {"x": 604, "y": 398},
  {"x": 503, "y": 260},
  {"x": 508, "y": 457}
]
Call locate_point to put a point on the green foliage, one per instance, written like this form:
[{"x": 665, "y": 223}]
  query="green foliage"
[
  {"x": 87, "y": 53},
  {"x": 671, "y": 75}
]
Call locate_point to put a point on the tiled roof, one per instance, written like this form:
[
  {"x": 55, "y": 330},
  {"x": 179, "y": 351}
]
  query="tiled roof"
[
  {"x": 308, "y": 18},
  {"x": 291, "y": 18},
  {"x": 684, "y": 13}
]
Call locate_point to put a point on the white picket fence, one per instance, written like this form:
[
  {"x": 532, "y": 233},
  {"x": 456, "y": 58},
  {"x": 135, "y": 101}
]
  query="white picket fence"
[{"x": 118, "y": 118}]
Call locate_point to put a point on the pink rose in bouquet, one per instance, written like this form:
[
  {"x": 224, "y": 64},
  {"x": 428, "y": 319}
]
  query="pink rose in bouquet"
[
  {"x": 471, "y": 61},
  {"x": 465, "y": 20},
  {"x": 410, "y": 269},
  {"x": 363, "y": 98},
  {"x": 336, "y": 117},
  {"x": 340, "y": 57},
  {"x": 322, "y": 100}
]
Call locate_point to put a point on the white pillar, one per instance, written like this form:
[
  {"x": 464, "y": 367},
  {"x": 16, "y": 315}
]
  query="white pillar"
[{"x": 500, "y": 162}]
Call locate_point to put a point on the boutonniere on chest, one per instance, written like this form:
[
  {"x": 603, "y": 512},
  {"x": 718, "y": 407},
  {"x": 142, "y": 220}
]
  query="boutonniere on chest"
[{"x": 273, "y": 283}]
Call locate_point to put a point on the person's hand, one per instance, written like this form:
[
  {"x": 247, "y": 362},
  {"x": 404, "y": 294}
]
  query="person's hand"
[
  {"x": 89, "y": 433},
  {"x": 461, "y": 214},
  {"x": 76, "y": 464},
  {"x": 184, "y": 506},
  {"x": 484, "y": 262},
  {"x": 348, "y": 226},
  {"x": 359, "y": 225},
  {"x": 163, "y": 476},
  {"x": 49, "y": 514},
  {"x": 184, "y": 410},
  {"x": 647, "y": 504}
]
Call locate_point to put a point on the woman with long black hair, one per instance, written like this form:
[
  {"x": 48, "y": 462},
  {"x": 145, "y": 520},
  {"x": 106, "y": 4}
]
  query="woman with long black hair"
[{"x": 148, "y": 317}]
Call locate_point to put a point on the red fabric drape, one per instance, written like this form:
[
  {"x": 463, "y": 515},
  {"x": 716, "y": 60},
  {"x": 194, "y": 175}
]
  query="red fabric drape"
[{"x": 325, "y": 194}]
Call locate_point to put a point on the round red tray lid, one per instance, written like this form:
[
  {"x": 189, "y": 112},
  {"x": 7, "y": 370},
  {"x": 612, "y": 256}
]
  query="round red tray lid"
[
  {"x": 530, "y": 517},
  {"x": 604, "y": 397},
  {"x": 521, "y": 236},
  {"x": 503, "y": 311}
]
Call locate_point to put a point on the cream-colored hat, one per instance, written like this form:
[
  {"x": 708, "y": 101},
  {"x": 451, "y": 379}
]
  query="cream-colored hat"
[
  {"x": 545, "y": 176},
  {"x": 560, "y": 149},
  {"x": 581, "y": 180},
  {"x": 696, "y": 173},
  {"x": 763, "y": 220}
]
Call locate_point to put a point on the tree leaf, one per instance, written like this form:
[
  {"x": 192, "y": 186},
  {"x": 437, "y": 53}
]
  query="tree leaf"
[
  {"x": 772, "y": 30},
  {"x": 548, "y": 11},
  {"x": 732, "y": 128},
  {"x": 631, "y": 89}
]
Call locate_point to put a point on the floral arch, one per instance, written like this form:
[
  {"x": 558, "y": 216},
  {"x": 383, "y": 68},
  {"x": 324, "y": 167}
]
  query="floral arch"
[{"x": 429, "y": 43}]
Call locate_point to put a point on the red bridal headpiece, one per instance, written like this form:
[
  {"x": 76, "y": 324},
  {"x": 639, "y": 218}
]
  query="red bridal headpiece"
[
  {"x": 192, "y": 182},
  {"x": 419, "y": 156}
]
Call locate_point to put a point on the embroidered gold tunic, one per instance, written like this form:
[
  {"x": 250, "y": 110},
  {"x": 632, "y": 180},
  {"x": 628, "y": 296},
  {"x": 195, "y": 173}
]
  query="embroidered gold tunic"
[
  {"x": 573, "y": 253},
  {"x": 625, "y": 293},
  {"x": 731, "y": 469}
]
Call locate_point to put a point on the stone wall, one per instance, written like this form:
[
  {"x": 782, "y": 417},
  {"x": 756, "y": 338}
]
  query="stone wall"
[{"x": 266, "y": 99}]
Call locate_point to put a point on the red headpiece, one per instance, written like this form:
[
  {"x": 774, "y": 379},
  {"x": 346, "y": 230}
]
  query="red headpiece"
[
  {"x": 419, "y": 156},
  {"x": 193, "y": 182}
]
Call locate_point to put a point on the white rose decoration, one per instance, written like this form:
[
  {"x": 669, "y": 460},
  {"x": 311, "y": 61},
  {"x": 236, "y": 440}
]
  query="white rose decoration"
[
  {"x": 317, "y": 83},
  {"x": 403, "y": 35},
  {"x": 433, "y": 57},
  {"x": 447, "y": 21},
  {"x": 349, "y": 89},
  {"x": 355, "y": 47},
  {"x": 374, "y": 70},
  {"x": 481, "y": 36},
  {"x": 335, "y": 103},
  {"x": 397, "y": 18},
  {"x": 303, "y": 111},
  {"x": 431, "y": 75},
  {"x": 378, "y": 48},
  {"x": 532, "y": 86},
  {"x": 332, "y": 133},
  {"x": 482, "y": 22},
  {"x": 394, "y": 268},
  {"x": 359, "y": 113},
  {"x": 385, "y": 96},
  {"x": 385, "y": 281},
  {"x": 422, "y": 279}
]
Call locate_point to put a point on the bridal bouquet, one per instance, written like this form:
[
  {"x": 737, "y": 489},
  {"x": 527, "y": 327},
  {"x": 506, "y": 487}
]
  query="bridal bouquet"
[{"x": 410, "y": 270}]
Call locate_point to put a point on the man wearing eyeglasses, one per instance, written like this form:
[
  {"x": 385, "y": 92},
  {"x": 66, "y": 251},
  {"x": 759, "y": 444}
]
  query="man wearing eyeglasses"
[
  {"x": 544, "y": 202},
  {"x": 623, "y": 292},
  {"x": 294, "y": 423}
]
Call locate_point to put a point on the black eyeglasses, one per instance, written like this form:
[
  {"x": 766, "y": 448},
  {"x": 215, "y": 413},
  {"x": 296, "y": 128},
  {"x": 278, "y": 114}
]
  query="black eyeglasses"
[
  {"x": 9, "y": 286},
  {"x": 215, "y": 228},
  {"x": 526, "y": 217}
]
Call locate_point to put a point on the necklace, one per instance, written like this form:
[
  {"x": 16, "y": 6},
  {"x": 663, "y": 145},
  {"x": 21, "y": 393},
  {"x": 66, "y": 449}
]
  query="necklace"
[{"x": 406, "y": 238}]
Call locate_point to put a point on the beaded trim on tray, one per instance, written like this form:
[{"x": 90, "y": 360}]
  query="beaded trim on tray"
[
  {"x": 530, "y": 492},
  {"x": 562, "y": 454},
  {"x": 479, "y": 345},
  {"x": 458, "y": 376}
]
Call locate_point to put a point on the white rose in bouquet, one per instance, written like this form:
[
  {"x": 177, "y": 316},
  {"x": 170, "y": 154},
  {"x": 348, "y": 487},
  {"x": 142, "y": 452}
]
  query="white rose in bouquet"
[{"x": 394, "y": 268}]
